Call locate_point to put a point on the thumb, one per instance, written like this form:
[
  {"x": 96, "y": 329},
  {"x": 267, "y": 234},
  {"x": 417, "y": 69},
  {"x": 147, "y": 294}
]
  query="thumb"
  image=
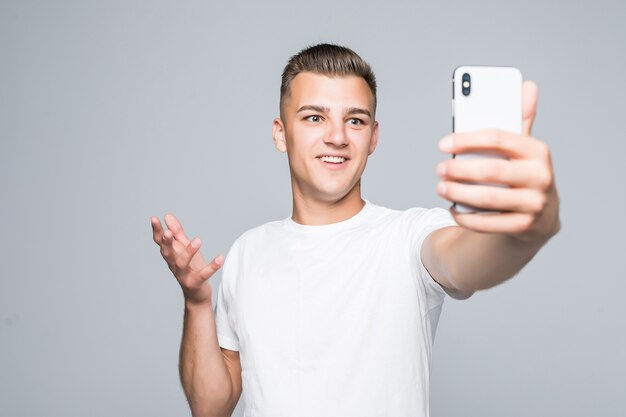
[
  {"x": 529, "y": 105},
  {"x": 212, "y": 267}
]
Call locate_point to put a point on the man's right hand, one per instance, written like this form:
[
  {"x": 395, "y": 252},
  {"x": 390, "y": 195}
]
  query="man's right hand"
[{"x": 185, "y": 260}]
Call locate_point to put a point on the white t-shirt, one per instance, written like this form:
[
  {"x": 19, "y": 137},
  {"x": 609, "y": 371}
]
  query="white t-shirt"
[{"x": 333, "y": 320}]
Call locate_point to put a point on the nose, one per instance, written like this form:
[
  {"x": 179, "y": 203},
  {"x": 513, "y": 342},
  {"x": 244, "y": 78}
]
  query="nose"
[{"x": 336, "y": 135}]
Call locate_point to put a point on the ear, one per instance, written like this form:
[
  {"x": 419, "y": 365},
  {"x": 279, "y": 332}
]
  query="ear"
[
  {"x": 374, "y": 141},
  {"x": 278, "y": 133}
]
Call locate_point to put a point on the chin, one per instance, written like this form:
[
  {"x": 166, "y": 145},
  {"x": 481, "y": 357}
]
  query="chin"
[{"x": 333, "y": 194}]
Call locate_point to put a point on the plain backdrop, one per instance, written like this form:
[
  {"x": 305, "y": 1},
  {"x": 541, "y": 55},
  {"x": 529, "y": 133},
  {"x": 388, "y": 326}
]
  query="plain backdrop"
[{"x": 113, "y": 111}]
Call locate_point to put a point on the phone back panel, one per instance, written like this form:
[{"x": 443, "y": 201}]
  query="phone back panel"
[{"x": 495, "y": 100}]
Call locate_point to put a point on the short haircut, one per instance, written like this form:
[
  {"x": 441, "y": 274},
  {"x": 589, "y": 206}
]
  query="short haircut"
[{"x": 326, "y": 59}]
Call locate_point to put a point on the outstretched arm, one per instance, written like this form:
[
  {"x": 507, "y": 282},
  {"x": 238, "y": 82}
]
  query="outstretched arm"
[
  {"x": 211, "y": 375},
  {"x": 489, "y": 248}
]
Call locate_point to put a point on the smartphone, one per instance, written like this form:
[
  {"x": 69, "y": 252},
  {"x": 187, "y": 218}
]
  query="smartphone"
[{"x": 485, "y": 97}]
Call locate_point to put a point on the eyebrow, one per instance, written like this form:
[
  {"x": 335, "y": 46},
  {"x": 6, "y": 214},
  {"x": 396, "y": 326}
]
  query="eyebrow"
[
  {"x": 324, "y": 109},
  {"x": 320, "y": 109},
  {"x": 358, "y": 110}
]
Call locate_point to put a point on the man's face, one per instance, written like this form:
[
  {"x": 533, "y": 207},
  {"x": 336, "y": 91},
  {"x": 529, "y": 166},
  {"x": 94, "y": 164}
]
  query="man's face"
[{"x": 328, "y": 131}]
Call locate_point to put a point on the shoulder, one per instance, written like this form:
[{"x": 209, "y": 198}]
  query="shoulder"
[
  {"x": 250, "y": 243},
  {"x": 429, "y": 216},
  {"x": 257, "y": 236},
  {"x": 414, "y": 224},
  {"x": 416, "y": 216}
]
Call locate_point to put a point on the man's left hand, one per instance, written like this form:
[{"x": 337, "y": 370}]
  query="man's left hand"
[{"x": 528, "y": 208}]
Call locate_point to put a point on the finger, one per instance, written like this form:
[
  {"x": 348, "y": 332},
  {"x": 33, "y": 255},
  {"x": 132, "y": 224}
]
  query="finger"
[
  {"x": 174, "y": 225},
  {"x": 183, "y": 259},
  {"x": 157, "y": 230},
  {"x": 167, "y": 244},
  {"x": 492, "y": 141},
  {"x": 212, "y": 267},
  {"x": 488, "y": 197},
  {"x": 511, "y": 223},
  {"x": 530, "y": 93},
  {"x": 514, "y": 173}
]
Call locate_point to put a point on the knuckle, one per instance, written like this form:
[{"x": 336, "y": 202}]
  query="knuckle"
[
  {"x": 524, "y": 223},
  {"x": 489, "y": 199},
  {"x": 190, "y": 249},
  {"x": 539, "y": 202},
  {"x": 493, "y": 171},
  {"x": 528, "y": 222},
  {"x": 208, "y": 272},
  {"x": 543, "y": 199},
  {"x": 544, "y": 179},
  {"x": 494, "y": 136},
  {"x": 452, "y": 170},
  {"x": 181, "y": 263}
]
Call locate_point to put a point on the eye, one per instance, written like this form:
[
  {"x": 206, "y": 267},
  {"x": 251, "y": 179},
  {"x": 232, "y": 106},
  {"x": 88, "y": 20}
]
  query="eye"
[
  {"x": 355, "y": 122},
  {"x": 314, "y": 118}
]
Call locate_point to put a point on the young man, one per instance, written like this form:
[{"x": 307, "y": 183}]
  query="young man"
[{"x": 332, "y": 311}]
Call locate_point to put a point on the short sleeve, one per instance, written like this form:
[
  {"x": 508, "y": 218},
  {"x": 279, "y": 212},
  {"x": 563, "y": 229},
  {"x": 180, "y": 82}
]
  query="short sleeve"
[
  {"x": 429, "y": 221},
  {"x": 225, "y": 317}
]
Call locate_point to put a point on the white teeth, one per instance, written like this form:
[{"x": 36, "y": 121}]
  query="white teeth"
[{"x": 333, "y": 159}]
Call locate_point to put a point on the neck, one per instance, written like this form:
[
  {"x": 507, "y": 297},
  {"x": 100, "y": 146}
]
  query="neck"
[{"x": 314, "y": 211}]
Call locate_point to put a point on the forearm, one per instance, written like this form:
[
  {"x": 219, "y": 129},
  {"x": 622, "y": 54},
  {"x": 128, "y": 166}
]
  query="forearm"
[
  {"x": 203, "y": 371},
  {"x": 483, "y": 260},
  {"x": 492, "y": 247}
]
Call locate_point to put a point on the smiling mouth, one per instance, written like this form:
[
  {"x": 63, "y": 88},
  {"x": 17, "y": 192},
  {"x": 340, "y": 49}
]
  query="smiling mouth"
[{"x": 333, "y": 159}]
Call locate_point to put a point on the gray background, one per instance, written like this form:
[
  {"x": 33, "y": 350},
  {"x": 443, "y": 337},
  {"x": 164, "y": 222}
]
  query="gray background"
[{"x": 111, "y": 112}]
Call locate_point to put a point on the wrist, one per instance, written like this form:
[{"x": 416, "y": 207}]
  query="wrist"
[
  {"x": 199, "y": 297},
  {"x": 195, "y": 305},
  {"x": 540, "y": 234}
]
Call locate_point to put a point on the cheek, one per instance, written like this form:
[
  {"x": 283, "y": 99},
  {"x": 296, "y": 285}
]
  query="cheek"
[
  {"x": 299, "y": 150},
  {"x": 301, "y": 142},
  {"x": 306, "y": 134},
  {"x": 362, "y": 140}
]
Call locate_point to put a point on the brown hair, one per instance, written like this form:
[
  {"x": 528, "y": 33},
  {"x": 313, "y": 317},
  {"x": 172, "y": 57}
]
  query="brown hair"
[{"x": 327, "y": 59}]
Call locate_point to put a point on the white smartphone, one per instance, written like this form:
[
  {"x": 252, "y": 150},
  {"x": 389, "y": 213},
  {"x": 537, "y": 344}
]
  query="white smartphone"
[{"x": 485, "y": 97}]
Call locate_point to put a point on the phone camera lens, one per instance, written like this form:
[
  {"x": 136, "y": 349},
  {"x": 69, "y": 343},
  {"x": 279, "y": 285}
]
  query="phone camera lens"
[{"x": 466, "y": 84}]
